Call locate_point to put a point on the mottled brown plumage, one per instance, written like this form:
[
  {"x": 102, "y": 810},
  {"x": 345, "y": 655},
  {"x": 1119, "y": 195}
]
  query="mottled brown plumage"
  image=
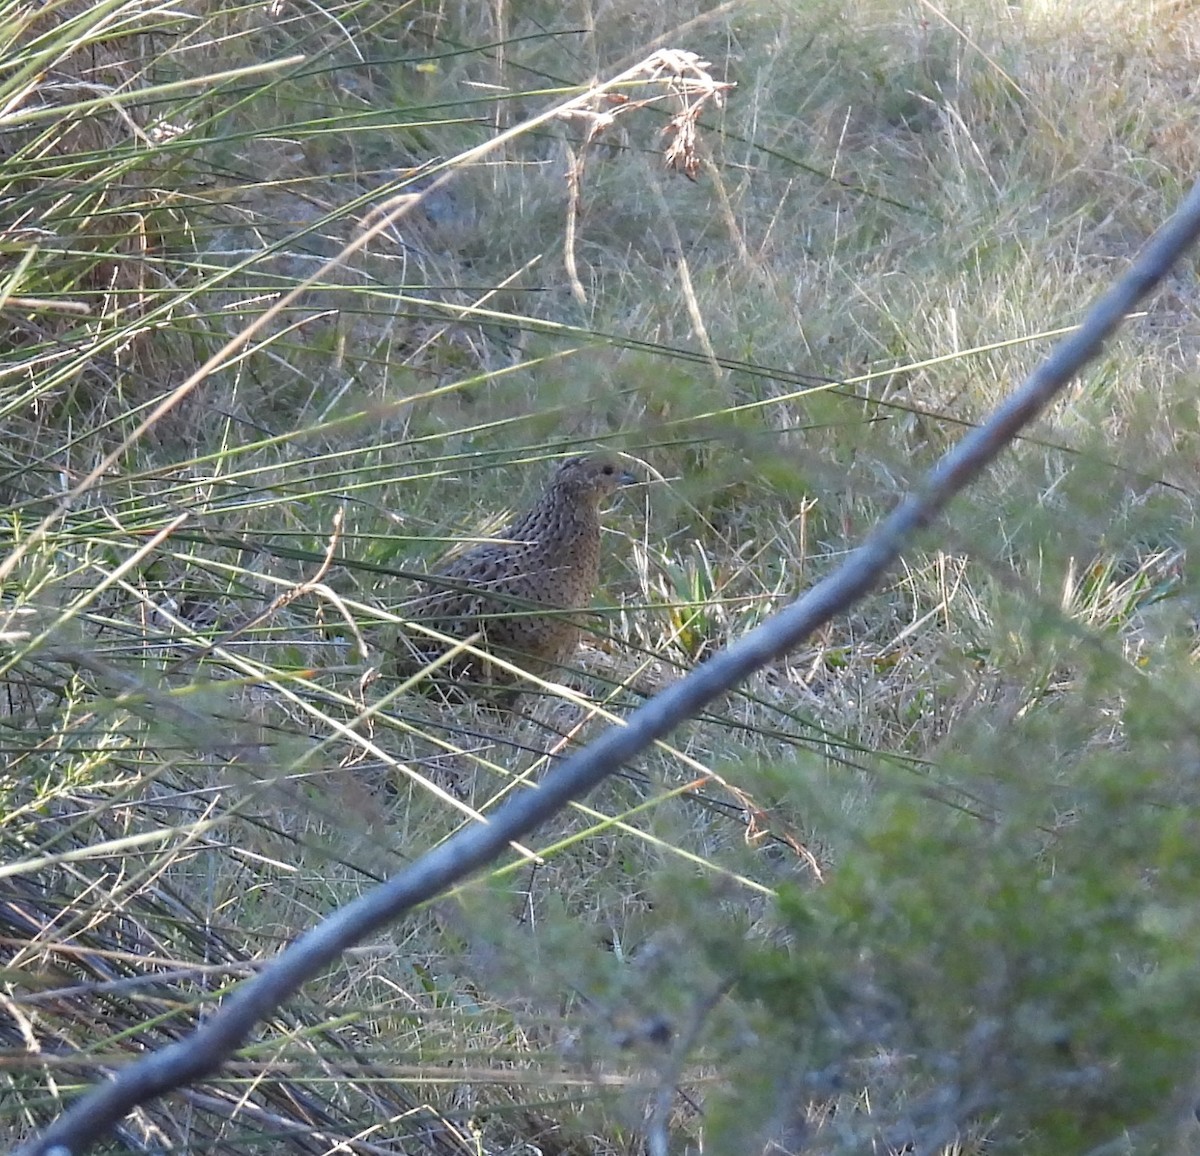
[{"x": 548, "y": 559}]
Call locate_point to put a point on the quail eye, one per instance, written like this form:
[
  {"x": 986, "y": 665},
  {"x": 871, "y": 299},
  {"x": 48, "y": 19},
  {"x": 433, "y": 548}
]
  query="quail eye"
[{"x": 608, "y": 470}]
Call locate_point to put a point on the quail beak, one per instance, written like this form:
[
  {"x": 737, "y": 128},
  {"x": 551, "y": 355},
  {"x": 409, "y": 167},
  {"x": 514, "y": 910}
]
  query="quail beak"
[{"x": 627, "y": 479}]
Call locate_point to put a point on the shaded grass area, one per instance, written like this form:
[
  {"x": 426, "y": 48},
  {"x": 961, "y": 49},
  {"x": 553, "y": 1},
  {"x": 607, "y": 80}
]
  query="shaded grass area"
[{"x": 973, "y": 795}]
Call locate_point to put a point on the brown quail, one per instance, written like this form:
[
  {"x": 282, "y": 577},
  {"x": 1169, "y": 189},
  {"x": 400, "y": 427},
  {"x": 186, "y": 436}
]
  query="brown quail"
[{"x": 549, "y": 558}]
